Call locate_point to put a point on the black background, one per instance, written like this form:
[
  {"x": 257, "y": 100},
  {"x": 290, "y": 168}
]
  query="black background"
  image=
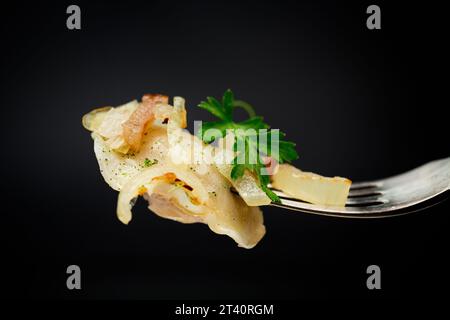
[{"x": 359, "y": 103}]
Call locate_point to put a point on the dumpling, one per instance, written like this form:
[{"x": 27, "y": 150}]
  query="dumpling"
[{"x": 167, "y": 170}]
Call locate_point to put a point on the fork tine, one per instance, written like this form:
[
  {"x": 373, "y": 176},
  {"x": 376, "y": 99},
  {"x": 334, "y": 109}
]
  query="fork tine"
[
  {"x": 366, "y": 200},
  {"x": 357, "y": 189},
  {"x": 363, "y": 192},
  {"x": 365, "y": 185},
  {"x": 404, "y": 193},
  {"x": 371, "y": 199},
  {"x": 356, "y": 196}
]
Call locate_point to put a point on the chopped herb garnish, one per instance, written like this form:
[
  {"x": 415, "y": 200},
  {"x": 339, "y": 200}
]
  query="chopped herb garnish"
[
  {"x": 149, "y": 163},
  {"x": 254, "y": 141}
]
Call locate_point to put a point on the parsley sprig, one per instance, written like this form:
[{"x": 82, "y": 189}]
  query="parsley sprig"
[{"x": 254, "y": 141}]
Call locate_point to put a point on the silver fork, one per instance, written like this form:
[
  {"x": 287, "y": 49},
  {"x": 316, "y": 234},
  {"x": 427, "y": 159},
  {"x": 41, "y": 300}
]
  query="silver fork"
[{"x": 411, "y": 191}]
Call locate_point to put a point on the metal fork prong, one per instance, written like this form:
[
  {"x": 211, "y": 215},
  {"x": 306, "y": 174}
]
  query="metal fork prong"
[
  {"x": 363, "y": 192},
  {"x": 365, "y": 185},
  {"x": 366, "y": 200},
  {"x": 293, "y": 204},
  {"x": 351, "y": 201},
  {"x": 397, "y": 195}
]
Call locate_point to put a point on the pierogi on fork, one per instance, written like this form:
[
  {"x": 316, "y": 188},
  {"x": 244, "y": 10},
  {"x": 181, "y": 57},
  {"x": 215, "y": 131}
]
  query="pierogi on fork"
[{"x": 143, "y": 149}]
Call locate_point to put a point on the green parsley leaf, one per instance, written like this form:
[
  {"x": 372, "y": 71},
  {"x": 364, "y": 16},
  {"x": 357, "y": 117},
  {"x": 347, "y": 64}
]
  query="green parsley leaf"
[
  {"x": 218, "y": 112},
  {"x": 227, "y": 101},
  {"x": 149, "y": 163},
  {"x": 254, "y": 142}
]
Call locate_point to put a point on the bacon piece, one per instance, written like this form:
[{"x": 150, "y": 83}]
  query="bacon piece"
[
  {"x": 134, "y": 127},
  {"x": 271, "y": 165}
]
